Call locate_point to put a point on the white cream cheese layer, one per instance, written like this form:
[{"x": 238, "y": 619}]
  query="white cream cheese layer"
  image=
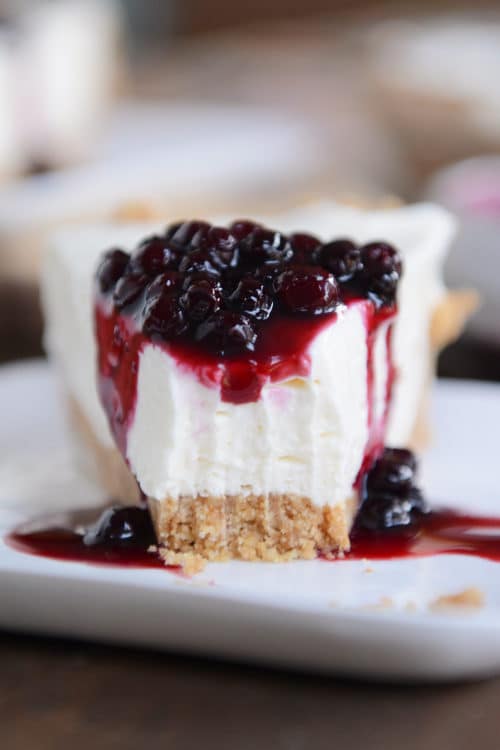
[{"x": 306, "y": 436}]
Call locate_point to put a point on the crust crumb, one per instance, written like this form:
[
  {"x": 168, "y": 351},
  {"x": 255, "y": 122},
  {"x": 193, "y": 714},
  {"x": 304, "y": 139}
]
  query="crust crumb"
[
  {"x": 469, "y": 599},
  {"x": 190, "y": 562}
]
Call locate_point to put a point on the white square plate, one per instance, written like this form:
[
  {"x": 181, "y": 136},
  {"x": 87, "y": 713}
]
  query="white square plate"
[{"x": 356, "y": 618}]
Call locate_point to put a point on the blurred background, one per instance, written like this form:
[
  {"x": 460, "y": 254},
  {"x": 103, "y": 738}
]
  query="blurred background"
[{"x": 132, "y": 109}]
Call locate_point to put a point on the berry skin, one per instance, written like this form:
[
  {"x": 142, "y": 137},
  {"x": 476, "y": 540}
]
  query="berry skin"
[
  {"x": 390, "y": 498},
  {"x": 383, "y": 511},
  {"x": 128, "y": 291},
  {"x": 393, "y": 472},
  {"x": 222, "y": 247},
  {"x": 182, "y": 234},
  {"x": 341, "y": 257},
  {"x": 198, "y": 262},
  {"x": 251, "y": 298},
  {"x": 202, "y": 298},
  {"x": 307, "y": 289},
  {"x": 121, "y": 527},
  {"x": 111, "y": 269},
  {"x": 266, "y": 246},
  {"x": 304, "y": 247},
  {"x": 163, "y": 318},
  {"x": 381, "y": 270},
  {"x": 242, "y": 228},
  {"x": 168, "y": 281},
  {"x": 227, "y": 333},
  {"x": 153, "y": 256}
]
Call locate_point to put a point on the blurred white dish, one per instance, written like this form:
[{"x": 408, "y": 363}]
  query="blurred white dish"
[
  {"x": 158, "y": 154},
  {"x": 471, "y": 190},
  {"x": 311, "y": 615}
]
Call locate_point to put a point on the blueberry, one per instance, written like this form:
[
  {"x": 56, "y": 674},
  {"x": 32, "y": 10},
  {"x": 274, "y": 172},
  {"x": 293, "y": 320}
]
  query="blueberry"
[
  {"x": 111, "y": 269},
  {"x": 154, "y": 255},
  {"x": 128, "y": 291},
  {"x": 121, "y": 526},
  {"x": 163, "y": 318},
  {"x": 381, "y": 270},
  {"x": 251, "y": 298},
  {"x": 307, "y": 289},
  {"x": 202, "y": 298},
  {"x": 341, "y": 257},
  {"x": 227, "y": 333}
]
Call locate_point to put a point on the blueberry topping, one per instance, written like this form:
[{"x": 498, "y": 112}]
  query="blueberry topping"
[
  {"x": 128, "y": 291},
  {"x": 111, "y": 269},
  {"x": 381, "y": 270},
  {"x": 390, "y": 497},
  {"x": 307, "y": 289},
  {"x": 163, "y": 317},
  {"x": 202, "y": 298},
  {"x": 304, "y": 247},
  {"x": 219, "y": 285},
  {"x": 265, "y": 246},
  {"x": 153, "y": 256},
  {"x": 341, "y": 257},
  {"x": 227, "y": 333},
  {"x": 122, "y": 526},
  {"x": 250, "y": 297}
]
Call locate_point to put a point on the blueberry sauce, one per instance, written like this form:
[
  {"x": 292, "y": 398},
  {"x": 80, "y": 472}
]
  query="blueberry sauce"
[
  {"x": 120, "y": 536},
  {"x": 239, "y": 307},
  {"x": 393, "y": 522}
]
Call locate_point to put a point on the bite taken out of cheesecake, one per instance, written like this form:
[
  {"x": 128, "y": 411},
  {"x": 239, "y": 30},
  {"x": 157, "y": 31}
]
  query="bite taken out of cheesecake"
[{"x": 244, "y": 379}]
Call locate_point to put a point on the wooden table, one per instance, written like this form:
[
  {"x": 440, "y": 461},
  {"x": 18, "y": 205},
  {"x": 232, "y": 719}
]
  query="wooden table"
[{"x": 62, "y": 695}]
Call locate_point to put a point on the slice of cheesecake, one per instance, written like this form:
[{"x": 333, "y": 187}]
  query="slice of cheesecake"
[{"x": 244, "y": 379}]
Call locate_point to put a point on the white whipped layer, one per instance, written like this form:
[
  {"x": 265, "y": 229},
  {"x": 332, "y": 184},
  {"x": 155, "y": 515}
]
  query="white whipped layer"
[{"x": 306, "y": 436}]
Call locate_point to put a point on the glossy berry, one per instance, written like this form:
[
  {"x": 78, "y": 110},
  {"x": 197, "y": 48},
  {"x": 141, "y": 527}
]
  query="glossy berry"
[
  {"x": 242, "y": 228},
  {"x": 227, "y": 333},
  {"x": 307, "y": 289},
  {"x": 153, "y": 256},
  {"x": 390, "y": 498},
  {"x": 394, "y": 471},
  {"x": 304, "y": 247},
  {"x": 381, "y": 270},
  {"x": 341, "y": 257},
  {"x": 222, "y": 247},
  {"x": 121, "y": 526},
  {"x": 111, "y": 269},
  {"x": 163, "y": 317},
  {"x": 183, "y": 233},
  {"x": 250, "y": 297},
  {"x": 170, "y": 281},
  {"x": 202, "y": 298},
  {"x": 266, "y": 246},
  {"x": 128, "y": 291},
  {"x": 198, "y": 262},
  {"x": 383, "y": 511}
]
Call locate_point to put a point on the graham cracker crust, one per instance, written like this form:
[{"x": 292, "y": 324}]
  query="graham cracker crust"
[{"x": 274, "y": 528}]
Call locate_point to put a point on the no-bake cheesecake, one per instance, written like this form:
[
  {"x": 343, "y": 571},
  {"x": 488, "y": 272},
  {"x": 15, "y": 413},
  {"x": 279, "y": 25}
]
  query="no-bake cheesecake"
[{"x": 242, "y": 380}]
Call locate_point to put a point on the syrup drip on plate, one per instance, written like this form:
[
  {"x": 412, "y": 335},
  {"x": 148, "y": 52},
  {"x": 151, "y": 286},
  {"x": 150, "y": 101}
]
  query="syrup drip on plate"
[{"x": 436, "y": 533}]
